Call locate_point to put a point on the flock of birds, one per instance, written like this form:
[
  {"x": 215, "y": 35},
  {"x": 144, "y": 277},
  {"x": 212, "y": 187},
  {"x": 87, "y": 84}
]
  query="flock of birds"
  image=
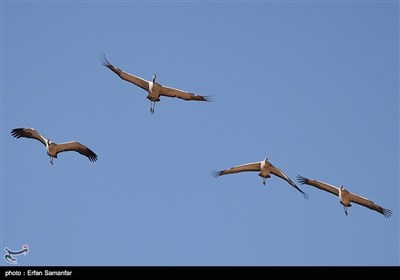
[{"x": 264, "y": 167}]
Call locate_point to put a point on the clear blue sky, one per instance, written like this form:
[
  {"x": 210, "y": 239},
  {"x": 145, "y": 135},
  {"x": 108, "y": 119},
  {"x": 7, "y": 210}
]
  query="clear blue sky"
[{"x": 312, "y": 85}]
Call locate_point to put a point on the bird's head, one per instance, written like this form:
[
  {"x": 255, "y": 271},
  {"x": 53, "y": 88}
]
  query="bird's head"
[
  {"x": 154, "y": 78},
  {"x": 266, "y": 159}
]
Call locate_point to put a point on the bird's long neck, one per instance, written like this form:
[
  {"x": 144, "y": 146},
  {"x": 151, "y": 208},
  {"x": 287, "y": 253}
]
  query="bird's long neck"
[
  {"x": 341, "y": 192},
  {"x": 49, "y": 143}
]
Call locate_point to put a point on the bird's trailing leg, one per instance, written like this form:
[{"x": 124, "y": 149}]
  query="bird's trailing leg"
[
  {"x": 264, "y": 181},
  {"x": 345, "y": 210},
  {"x": 51, "y": 160},
  {"x": 152, "y": 105}
]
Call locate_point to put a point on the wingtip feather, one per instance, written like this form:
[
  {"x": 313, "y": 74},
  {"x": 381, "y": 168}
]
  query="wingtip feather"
[
  {"x": 208, "y": 98},
  {"x": 104, "y": 60},
  {"x": 302, "y": 180},
  {"x": 17, "y": 132},
  {"x": 387, "y": 213},
  {"x": 216, "y": 174}
]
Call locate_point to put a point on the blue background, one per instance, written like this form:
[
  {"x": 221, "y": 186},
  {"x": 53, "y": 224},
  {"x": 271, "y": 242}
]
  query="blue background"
[{"x": 313, "y": 85}]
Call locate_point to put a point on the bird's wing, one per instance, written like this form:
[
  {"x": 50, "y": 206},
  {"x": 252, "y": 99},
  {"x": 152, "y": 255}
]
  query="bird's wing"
[
  {"x": 255, "y": 166},
  {"x": 173, "y": 92},
  {"x": 28, "y": 133},
  {"x": 77, "y": 147},
  {"x": 318, "y": 184},
  {"x": 124, "y": 75},
  {"x": 369, "y": 204},
  {"x": 277, "y": 172}
]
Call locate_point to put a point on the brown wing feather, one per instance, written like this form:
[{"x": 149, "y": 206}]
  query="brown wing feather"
[
  {"x": 124, "y": 75},
  {"x": 172, "y": 92},
  {"x": 277, "y": 172},
  {"x": 77, "y": 147},
  {"x": 28, "y": 133},
  {"x": 318, "y": 184},
  {"x": 369, "y": 204},
  {"x": 255, "y": 166}
]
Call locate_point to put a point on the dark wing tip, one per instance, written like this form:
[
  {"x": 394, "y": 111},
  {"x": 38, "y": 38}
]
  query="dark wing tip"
[
  {"x": 305, "y": 195},
  {"x": 93, "y": 158},
  {"x": 196, "y": 97},
  {"x": 17, "y": 132},
  {"x": 387, "y": 213},
  {"x": 208, "y": 99},
  {"x": 104, "y": 60},
  {"x": 216, "y": 174},
  {"x": 91, "y": 155},
  {"x": 301, "y": 179}
]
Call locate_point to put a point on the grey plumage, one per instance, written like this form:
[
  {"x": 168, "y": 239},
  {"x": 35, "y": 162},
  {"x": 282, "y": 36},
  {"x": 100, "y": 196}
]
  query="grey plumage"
[
  {"x": 53, "y": 149},
  {"x": 265, "y": 169},
  {"x": 345, "y": 197},
  {"x": 154, "y": 89}
]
